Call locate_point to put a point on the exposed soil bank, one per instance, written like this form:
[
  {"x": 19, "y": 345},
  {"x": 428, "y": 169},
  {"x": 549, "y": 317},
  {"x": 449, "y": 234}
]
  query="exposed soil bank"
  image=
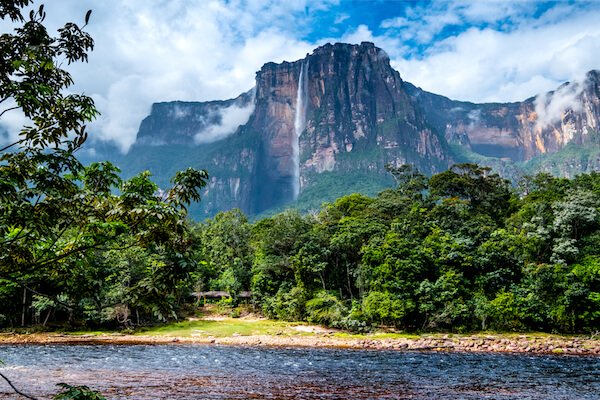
[{"x": 511, "y": 343}]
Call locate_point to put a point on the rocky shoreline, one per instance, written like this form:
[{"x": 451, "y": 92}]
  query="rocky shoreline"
[{"x": 525, "y": 343}]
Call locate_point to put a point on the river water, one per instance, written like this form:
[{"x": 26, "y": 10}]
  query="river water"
[{"x": 227, "y": 372}]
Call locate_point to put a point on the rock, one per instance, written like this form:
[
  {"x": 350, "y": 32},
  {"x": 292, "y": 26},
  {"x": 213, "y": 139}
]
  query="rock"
[
  {"x": 359, "y": 115},
  {"x": 353, "y": 102}
]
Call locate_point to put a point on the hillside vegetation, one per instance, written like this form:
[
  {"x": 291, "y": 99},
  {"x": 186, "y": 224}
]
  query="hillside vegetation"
[{"x": 462, "y": 250}]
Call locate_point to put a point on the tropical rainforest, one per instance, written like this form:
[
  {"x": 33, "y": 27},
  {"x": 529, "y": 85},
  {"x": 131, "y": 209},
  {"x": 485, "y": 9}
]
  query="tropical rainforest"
[
  {"x": 458, "y": 251},
  {"x": 78, "y": 243}
]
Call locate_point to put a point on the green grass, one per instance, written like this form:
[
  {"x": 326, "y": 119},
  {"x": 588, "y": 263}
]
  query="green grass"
[
  {"x": 224, "y": 328},
  {"x": 229, "y": 327}
]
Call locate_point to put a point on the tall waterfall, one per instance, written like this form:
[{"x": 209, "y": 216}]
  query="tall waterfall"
[{"x": 299, "y": 123}]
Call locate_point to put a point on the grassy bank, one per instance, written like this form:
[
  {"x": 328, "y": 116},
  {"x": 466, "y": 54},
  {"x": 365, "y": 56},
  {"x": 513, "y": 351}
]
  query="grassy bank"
[
  {"x": 252, "y": 331},
  {"x": 222, "y": 327}
]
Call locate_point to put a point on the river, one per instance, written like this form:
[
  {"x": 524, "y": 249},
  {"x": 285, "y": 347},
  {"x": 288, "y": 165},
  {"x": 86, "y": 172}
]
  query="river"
[{"x": 229, "y": 372}]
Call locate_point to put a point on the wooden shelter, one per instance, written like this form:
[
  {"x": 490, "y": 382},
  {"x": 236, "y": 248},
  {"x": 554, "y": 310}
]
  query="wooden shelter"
[{"x": 219, "y": 294}]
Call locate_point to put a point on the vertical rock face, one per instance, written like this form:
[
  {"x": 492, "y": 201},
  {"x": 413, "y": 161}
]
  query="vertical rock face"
[
  {"x": 273, "y": 122},
  {"x": 350, "y": 93},
  {"x": 518, "y": 131},
  {"x": 349, "y": 116},
  {"x": 355, "y": 103}
]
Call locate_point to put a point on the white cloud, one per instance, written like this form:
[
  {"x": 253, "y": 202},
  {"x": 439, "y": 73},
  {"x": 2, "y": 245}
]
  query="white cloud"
[
  {"x": 422, "y": 23},
  {"x": 550, "y": 107},
  {"x": 231, "y": 118},
  {"x": 341, "y": 18},
  {"x": 486, "y": 65},
  {"x": 362, "y": 33},
  {"x": 148, "y": 52},
  {"x": 492, "y": 11}
]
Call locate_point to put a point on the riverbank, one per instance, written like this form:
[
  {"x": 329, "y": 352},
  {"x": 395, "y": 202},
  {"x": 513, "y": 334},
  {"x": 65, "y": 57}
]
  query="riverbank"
[{"x": 260, "y": 332}]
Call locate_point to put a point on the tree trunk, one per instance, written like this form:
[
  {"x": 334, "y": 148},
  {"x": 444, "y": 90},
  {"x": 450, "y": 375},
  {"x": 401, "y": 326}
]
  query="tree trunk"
[
  {"x": 47, "y": 317},
  {"x": 322, "y": 280},
  {"x": 349, "y": 282},
  {"x": 24, "y": 307}
]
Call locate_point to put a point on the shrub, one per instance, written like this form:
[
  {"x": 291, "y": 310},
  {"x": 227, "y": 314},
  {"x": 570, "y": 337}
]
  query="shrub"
[{"x": 325, "y": 309}]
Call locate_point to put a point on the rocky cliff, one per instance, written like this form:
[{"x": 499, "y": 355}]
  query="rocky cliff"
[
  {"x": 340, "y": 109},
  {"x": 518, "y": 131},
  {"x": 326, "y": 125},
  {"x": 185, "y": 122}
]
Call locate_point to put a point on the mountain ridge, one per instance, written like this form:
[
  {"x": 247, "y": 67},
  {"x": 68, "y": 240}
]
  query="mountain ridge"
[{"x": 342, "y": 112}]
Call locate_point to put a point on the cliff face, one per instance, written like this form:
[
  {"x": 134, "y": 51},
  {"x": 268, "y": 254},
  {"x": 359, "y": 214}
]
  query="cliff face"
[
  {"x": 313, "y": 126},
  {"x": 273, "y": 124},
  {"x": 518, "y": 131},
  {"x": 342, "y": 108},
  {"x": 187, "y": 122},
  {"x": 357, "y": 102},
  {"x": 339, "y": 110}
]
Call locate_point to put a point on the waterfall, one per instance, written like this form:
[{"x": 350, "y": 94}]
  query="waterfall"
[{"x": 299, "y": 124}]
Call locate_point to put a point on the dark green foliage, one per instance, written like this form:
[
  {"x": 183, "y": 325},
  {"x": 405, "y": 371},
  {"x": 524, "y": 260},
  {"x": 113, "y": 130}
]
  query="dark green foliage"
[
  {"x": 325, "y": 309},
  {"x": 460, "y": 251},
  {"x": 71, "y": 248},
  {"x": 77, "y": 393},
  {"x": 223, "y": 249}
]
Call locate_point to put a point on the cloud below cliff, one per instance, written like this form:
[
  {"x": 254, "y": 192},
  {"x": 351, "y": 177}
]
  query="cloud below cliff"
[
  {"x": 231, "y": 118},
  {"x": 550, "y": 107}
]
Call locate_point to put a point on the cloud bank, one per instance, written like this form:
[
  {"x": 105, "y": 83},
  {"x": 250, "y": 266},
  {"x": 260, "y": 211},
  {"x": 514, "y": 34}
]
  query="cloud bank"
[
  {"x": 231, "y": 118},
  {"x": 148, "y": 52},
  {"x": 550, "y": 107},
  {"x": 504, "y": 54}
]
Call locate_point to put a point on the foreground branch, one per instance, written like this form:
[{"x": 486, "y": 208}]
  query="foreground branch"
[{"x": 17, "y": 391}]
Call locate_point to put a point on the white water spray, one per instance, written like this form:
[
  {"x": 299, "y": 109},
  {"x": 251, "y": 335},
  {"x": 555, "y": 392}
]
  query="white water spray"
[{"x": 299, "y": 124}]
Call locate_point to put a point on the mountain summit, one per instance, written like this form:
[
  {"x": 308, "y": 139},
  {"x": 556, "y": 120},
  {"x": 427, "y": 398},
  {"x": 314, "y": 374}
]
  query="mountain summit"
[
  {"x": 327, "y": 125},
  {"x": 342, "y": 108}
]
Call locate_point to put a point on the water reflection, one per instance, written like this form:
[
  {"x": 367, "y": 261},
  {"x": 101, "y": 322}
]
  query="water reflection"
[{"x": 213, "y": 372}]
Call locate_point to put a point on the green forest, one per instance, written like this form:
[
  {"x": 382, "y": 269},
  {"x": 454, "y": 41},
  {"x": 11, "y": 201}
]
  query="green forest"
[{"x": 462, "y": 250}]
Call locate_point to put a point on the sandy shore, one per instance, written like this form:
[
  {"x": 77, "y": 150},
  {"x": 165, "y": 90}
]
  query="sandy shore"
[{"x": 526, "y": 343}]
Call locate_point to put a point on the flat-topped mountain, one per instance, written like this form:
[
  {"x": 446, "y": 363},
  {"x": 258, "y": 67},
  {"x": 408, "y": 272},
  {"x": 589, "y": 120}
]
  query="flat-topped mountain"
[{"x": 326, "y": 125}]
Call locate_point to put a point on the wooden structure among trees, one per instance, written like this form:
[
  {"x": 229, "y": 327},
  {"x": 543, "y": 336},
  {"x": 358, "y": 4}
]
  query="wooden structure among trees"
[{"x": 219, "y": 294}]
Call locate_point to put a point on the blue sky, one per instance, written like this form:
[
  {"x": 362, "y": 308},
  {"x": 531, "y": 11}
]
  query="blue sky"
[{"x": 162, "y": 50}]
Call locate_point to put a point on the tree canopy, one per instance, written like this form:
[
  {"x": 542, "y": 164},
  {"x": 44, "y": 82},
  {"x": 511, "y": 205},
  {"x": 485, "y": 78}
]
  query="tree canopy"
[
  {"x": 77, "y": 239},
  {"x": 460, "y": 251}
]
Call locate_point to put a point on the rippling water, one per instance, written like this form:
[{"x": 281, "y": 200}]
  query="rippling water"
[{"x": 214, "y": 372}]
